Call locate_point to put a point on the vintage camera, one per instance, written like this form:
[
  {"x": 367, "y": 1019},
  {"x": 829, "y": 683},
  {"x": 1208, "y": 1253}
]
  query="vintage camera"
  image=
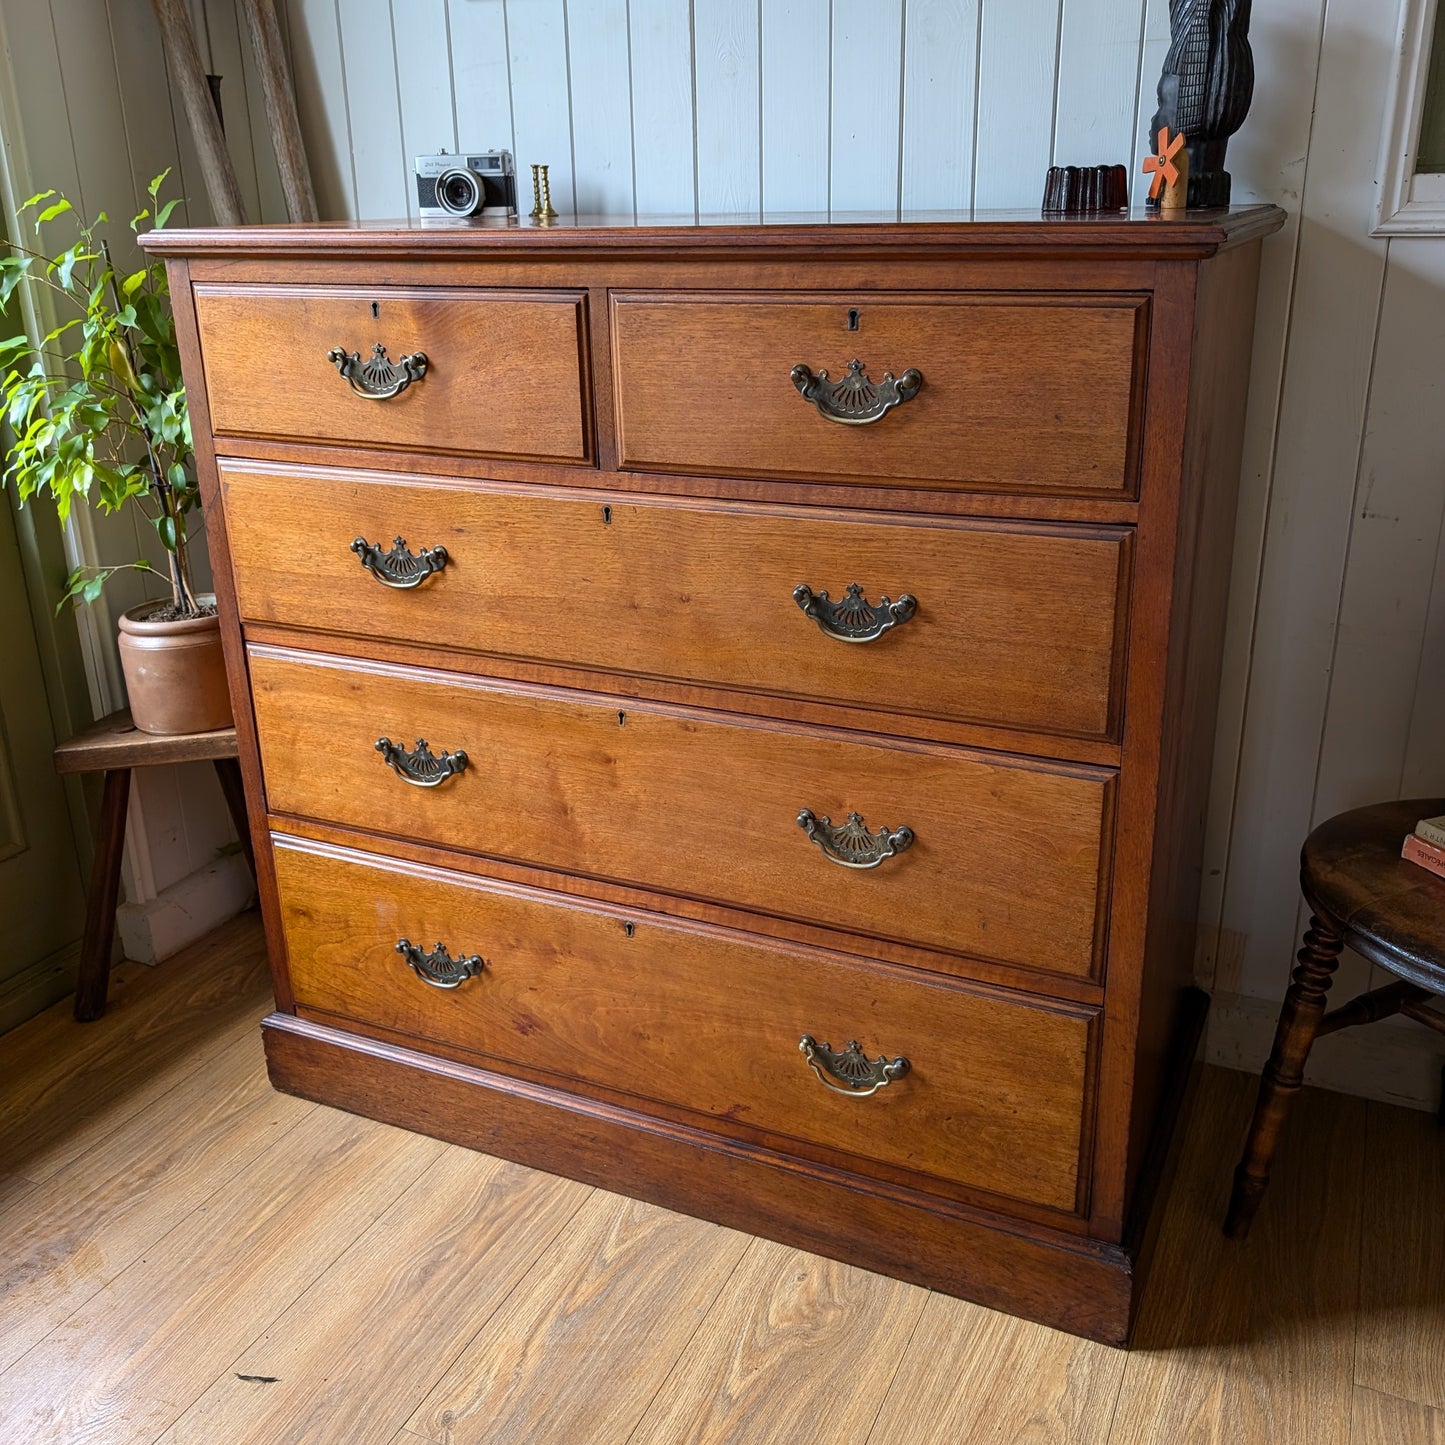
[{"x": 450, "y": 187}]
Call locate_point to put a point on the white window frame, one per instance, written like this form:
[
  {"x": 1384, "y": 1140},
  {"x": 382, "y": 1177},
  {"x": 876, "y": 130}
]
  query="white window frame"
[{"x": 1409, "y": 204}]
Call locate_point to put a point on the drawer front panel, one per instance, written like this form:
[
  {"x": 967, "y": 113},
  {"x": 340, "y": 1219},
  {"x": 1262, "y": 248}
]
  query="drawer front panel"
[
  {"x": 702, "y": 1018},
  {"x": 1007, "y": 859},
  {"x": 1023, "y": 394},
  {"x": 503, "y": 370},
  {"x": 1014, "y": 626}
]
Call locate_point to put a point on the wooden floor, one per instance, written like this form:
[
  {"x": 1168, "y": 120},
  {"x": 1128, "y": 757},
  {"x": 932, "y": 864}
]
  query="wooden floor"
[{"x": 190, "y": 1257}]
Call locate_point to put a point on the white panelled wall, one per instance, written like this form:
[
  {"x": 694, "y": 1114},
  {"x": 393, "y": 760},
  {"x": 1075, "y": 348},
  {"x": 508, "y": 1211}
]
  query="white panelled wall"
[{"x": 1334, "y": 683}]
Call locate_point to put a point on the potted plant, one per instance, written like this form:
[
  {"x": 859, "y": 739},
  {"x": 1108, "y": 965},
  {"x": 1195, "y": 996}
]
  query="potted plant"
[{"x": 98, "y": 412}]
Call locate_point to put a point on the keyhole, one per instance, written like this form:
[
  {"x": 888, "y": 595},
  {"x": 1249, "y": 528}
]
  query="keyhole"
[
  {"x": 376, "y": 311},
  {"x": 622, "y": 719},
  {"x": 852, "y": 318},
  {"x": 607, "y": 516},
  {"x": 629, "y": 929}
]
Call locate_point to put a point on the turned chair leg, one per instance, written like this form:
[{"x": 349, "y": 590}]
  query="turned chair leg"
[
  {"x": 93, "y": 981},
  {"x": 1304, "y": 1006}
]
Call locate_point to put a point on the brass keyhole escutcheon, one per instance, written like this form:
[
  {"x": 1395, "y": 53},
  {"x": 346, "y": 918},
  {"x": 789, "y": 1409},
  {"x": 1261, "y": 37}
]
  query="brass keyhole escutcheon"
[{"x": 852, "y": 318}]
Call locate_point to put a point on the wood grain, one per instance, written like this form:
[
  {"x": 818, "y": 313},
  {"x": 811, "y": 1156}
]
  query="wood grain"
[
  {"x": 158, "y": 1333},
  {"x": 116, "y": 742},
  {"x": 1015, "y": 626},
  {"x": 1379, "y": 1419},
  {"x": 68, "y": 1237},
  {"x": 1017, "y": 395},
  {"x": 1024, "y": 1383},
  {"x": 571, "y": 781},
  {"x": 788, "y": 1330},
  {"x": 615, "y": 1300},
  {"x": 65, "y": 1086},
  {"x": 1401, "y": 1348},
  {"x": 503, "y": 375},
  {"x": 1222, "y": 1349},
  {"x": 353, "y": 1356},
  {"x": 995, "y": 1096}
]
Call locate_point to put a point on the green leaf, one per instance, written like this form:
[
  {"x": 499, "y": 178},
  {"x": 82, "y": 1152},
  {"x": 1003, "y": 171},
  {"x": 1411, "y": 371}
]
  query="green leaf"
[
  {"x": 166, "y": 531},
  {"x": 12, "y": 272},
  {"x": 133, "y": 283},
  {"x": 139, "y": 216},
  {"x": 158, "y": 182},
  {"x": 35, "y": 200},
  {"x": 164, "y": 214},
  {"x": 51, "y": 212}
]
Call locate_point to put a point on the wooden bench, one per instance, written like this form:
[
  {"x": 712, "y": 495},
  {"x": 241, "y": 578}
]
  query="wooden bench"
[{"x": 115, "y": 746}]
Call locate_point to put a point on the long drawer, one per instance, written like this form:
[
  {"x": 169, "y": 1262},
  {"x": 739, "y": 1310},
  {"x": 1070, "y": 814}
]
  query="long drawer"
[
  {"x": 705, "y": 1019},
  {"x": 979, "y": 855},
  {"x": 502, "y": 377},
  {"x": 1016, "y": 393},
  {"x": 1007, "y": 624}
]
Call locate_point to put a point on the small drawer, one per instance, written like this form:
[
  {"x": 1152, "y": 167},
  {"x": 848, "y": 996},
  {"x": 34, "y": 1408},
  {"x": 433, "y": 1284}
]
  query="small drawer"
[
  {"x": 705, "y": 1019},
  {"x": 1033, "y": 393},
  {"x": 1007, "y": 624},
  {"x": 502, "y": 376},
  {"x": 976, "y": 854}
]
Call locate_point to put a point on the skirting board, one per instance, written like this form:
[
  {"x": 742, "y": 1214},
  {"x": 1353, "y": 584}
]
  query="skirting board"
[
  {"x": 37, "y": 987},
  {"x": 1394, "y": 1062},
  {"x": 184, "y": 912}
]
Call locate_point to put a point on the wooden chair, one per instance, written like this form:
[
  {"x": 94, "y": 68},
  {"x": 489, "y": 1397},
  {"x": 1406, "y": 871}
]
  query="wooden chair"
[
  {"x": 1361, "y": 893},
  {"x": 115, "y": 746}
]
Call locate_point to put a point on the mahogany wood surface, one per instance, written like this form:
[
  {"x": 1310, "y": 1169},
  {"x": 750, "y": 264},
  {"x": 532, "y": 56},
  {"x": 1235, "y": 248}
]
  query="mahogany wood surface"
[
  {"x": 503, "y": 375},
  {"x": 1016, "y": 625},
  {"x": 1018, "y": 393},
  {"x": 712, "y": 1019},
  {"x": 651, "y": 796},
  {"x": 654, "y": 758}
]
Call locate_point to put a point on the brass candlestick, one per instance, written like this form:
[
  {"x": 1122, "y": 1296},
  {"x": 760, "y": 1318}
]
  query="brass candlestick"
[
  {"x": 536, "y": 193},
  {"x": 547, "y": 213}
]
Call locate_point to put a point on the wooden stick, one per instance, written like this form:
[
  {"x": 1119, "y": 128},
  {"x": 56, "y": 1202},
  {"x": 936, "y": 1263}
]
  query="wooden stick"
[
  {"x": 185, "y": 65},
  {"x": 280, "y": 96}
]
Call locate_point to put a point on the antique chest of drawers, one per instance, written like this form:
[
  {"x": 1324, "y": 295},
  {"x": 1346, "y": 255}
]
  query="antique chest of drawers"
[{"x": 726, "y": 709}]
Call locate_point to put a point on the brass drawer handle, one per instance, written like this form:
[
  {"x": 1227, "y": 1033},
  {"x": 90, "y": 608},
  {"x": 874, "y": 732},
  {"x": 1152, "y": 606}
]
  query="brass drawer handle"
[
  {"x": 852, "y": 1072},
  {"x": 853, "y": 618},
  {"x": 421, "y": 767},
  {"x": 400, "y": 567},
  {"x": 851, "y": 844},
  {"x": 855, "y": 399},
  {"x": 378, "y": 378},
  {"x": 438, "y": 967}
]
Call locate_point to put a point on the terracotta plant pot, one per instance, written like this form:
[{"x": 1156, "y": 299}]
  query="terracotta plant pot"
[{"x": 174, "y": 672}]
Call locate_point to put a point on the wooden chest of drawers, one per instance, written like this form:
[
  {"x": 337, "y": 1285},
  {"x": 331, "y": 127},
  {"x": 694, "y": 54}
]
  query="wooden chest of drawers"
[{"x": 727, "y": 709}]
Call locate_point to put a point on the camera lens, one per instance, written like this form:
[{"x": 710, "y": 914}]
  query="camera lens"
[{"x": 458, "y": 192}]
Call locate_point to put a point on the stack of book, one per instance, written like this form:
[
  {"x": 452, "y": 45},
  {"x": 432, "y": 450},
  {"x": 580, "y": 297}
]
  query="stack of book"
[{"x": 1426, "y": 845}]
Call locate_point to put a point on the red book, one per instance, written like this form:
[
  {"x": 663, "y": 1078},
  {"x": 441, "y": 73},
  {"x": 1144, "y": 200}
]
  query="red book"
[{"x": 1417, "y": 850}]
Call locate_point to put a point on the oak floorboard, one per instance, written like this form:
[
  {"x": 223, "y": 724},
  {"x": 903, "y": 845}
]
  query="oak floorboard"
[
  {"x": 788, "y": 1333},
  {"x": 1252, "y": 1343},
  {"x": 1401, "y": 1345},
  {"x": 65, "y": 1085},
  {"x": 69, "y": 1236},
  {"x": 128, "y": 1362},
  {"x": 586, "y": 1339},
  {"x": 1026, "y": 1385},
  {"x": 357, "y": 1352},
  {"x": 1380, "y": 1419}
]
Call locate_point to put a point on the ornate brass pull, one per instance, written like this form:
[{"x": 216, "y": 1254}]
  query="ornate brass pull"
[
  {"x": 378, "y": 378},
  {"x": 855, "y": 399},
  {"x": 852, "y": 1072},
  {"x": 399, "y": 567},
  {"x": 853, "y": 618},
  {"x": 851, "y": 845},
  {"x": 421, "y": 767},
  {"x": 438, "y": 967}
]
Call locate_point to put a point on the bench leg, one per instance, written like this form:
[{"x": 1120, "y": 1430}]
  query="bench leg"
[
  {"x": 95, "y": 947},
  {"x": 228, "y": 770},
  {"x": 1299, "y": 1018}
]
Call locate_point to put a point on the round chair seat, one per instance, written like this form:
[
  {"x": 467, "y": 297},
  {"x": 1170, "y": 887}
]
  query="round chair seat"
[{"x": 1390, "y": 910}]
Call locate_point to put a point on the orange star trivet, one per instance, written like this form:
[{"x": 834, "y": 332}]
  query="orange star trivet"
[{"x": 1162, "y": 165}]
